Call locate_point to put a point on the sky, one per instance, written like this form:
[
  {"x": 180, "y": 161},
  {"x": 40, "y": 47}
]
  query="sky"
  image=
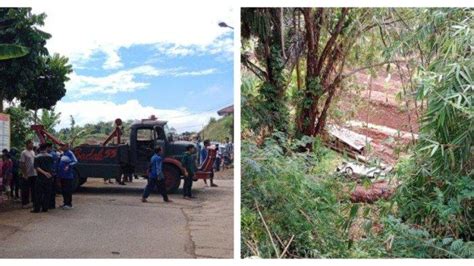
[{"x": 133, "y": 61}]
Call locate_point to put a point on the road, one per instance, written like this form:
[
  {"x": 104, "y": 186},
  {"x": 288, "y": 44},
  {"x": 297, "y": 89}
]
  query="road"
[{"x": 110, "y": 221}]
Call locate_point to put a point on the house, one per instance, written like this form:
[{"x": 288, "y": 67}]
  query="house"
[{"x": 226, "y": 111}]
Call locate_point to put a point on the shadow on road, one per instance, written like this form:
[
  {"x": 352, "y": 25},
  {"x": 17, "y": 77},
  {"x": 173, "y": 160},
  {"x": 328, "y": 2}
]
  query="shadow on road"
[{"x": 116, "y": 189}]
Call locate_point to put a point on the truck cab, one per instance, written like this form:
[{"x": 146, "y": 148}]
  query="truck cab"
[{"x": 144, "y": 137}]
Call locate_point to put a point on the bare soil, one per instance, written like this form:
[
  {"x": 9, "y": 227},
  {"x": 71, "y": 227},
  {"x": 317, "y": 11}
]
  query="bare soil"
[{"x": 381, "y": 108}]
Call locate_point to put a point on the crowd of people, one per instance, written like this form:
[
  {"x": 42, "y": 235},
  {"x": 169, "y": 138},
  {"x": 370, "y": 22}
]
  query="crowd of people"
[
  {"x": 224, "y": 157},
  {"x": 41, "y": 172},
  {"x": 38, "y": 175}
]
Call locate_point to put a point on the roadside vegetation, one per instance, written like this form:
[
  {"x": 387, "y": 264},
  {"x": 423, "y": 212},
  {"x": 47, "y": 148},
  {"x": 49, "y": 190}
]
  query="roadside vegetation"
[
  {"x": 299, "y": 68},
  {"x": 219, "y": 129}
]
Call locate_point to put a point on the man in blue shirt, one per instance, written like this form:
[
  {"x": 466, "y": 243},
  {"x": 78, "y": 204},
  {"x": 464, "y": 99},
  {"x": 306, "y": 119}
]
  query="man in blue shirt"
[
  {"x": 156, "y": 178},
  {"x": 66, "y": 173}
]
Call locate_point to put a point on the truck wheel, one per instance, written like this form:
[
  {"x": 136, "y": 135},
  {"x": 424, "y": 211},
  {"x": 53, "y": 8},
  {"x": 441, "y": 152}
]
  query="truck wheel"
[{"x": 172, "y": 178}]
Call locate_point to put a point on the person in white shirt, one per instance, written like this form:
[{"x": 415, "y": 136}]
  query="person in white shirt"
[{"x": 27, "y": 182}]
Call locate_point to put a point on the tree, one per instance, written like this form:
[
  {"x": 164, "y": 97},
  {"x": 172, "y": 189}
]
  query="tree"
[
  {"x": 49, "y": 119},
  {"x": 20, "y": 74},
  {"x": 35, "y": 79},
  {"x": 331, "y": 44},
  {"x": 10, "y": 51},
  {"x": 267, "y": 26},
  {"x": 212, "y": 120},
  {"x": 50, "y": 85}
]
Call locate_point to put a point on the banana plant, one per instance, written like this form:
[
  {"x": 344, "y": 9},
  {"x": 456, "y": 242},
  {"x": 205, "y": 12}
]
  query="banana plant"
[{"x": 10, "y": 51}]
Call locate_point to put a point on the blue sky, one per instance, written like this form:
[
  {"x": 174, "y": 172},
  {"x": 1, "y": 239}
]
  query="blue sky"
[{"x": 177, "y": 67}]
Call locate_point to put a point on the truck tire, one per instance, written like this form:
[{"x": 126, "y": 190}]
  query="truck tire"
[{"x": 172, "y": 178}]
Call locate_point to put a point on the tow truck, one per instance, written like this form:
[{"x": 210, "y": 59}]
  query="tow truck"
[{"x": 111, "y": 160}]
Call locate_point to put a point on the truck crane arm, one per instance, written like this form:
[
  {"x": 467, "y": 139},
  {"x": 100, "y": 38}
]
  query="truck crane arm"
[
  {"x": 117, "y": 133},
  {"x": 43, "y": 135}
]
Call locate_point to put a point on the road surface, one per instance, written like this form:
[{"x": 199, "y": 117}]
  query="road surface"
[{"x": 110, "y": 221}]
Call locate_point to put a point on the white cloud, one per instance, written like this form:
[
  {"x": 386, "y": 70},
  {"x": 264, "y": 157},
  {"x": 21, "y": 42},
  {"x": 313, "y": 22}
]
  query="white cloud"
[
  {"x": 223, "y": 46},
  {"x": 113, "y": 60},
  {"x": 123, "y": 80},
  {"x": 81, "y": 28},
  {"x": 88, "y": 112},
  {"x": 195, "y": 73}
]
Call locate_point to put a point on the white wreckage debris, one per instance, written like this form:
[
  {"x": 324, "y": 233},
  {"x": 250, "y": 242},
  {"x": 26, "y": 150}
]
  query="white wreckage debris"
[{"x": 356, "y": 170}]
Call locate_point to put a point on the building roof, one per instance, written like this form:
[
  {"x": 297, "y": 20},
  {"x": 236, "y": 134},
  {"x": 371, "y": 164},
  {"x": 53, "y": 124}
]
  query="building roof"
[
  {"x": 351, "y": 138},
  {"x": 226, "y": 110}
]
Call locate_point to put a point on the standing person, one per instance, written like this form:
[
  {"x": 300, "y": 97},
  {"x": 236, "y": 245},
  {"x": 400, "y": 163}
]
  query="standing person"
[
  {"x": 7, "y": 168},
  {"x": 189, "y": 164},
  {"x": 203, "y": 156},
  {"x": 27, "y": 182},
  {"x": 54, "y": 179},
  {"x": 156, "y": 177},
  {"x": 65, "y": 173},
  {"x": 228, "y": 152},
  {"x": 44, "y": 167},
  {"x": 217, "y": 163},
  {"x": 15, "y": 190}
]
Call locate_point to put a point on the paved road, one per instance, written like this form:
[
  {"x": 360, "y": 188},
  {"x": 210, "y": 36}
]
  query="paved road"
[{"x": 109, "y": 221}]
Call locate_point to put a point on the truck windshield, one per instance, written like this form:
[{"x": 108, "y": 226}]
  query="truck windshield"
[{"x": 144, "y": 134}]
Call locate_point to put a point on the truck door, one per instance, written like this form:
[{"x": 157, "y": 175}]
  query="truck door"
[
  {"x": 160, "y": 138},
  {"x": 144, "y": 149}
]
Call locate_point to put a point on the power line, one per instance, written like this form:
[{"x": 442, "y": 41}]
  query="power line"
[{"x": 195, "y": 113}]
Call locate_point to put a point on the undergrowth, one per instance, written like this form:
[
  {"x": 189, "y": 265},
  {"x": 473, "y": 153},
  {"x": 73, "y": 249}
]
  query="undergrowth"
[{"x": 293, "y": 206}]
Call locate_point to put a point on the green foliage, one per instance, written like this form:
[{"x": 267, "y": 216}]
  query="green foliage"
[
  {"x": 263, "y": 24},
  {"x": 50, "y": 85},
  {"x": 20, "y": 27},
  {"x": 49, "y": 119},
  {"x": 218, "y": 130},
  {"x": 20, "y": 121},
  {"x": 35, "y": 79},
  {"x": 10, "y": 51},
  {"x": 275, "y": 190},
  {"x": 438, "y": 193},
  {"x": 400, "y": 240},
  {"x": 283, "y": 201},
  {"x": 292, "y": 203}
]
